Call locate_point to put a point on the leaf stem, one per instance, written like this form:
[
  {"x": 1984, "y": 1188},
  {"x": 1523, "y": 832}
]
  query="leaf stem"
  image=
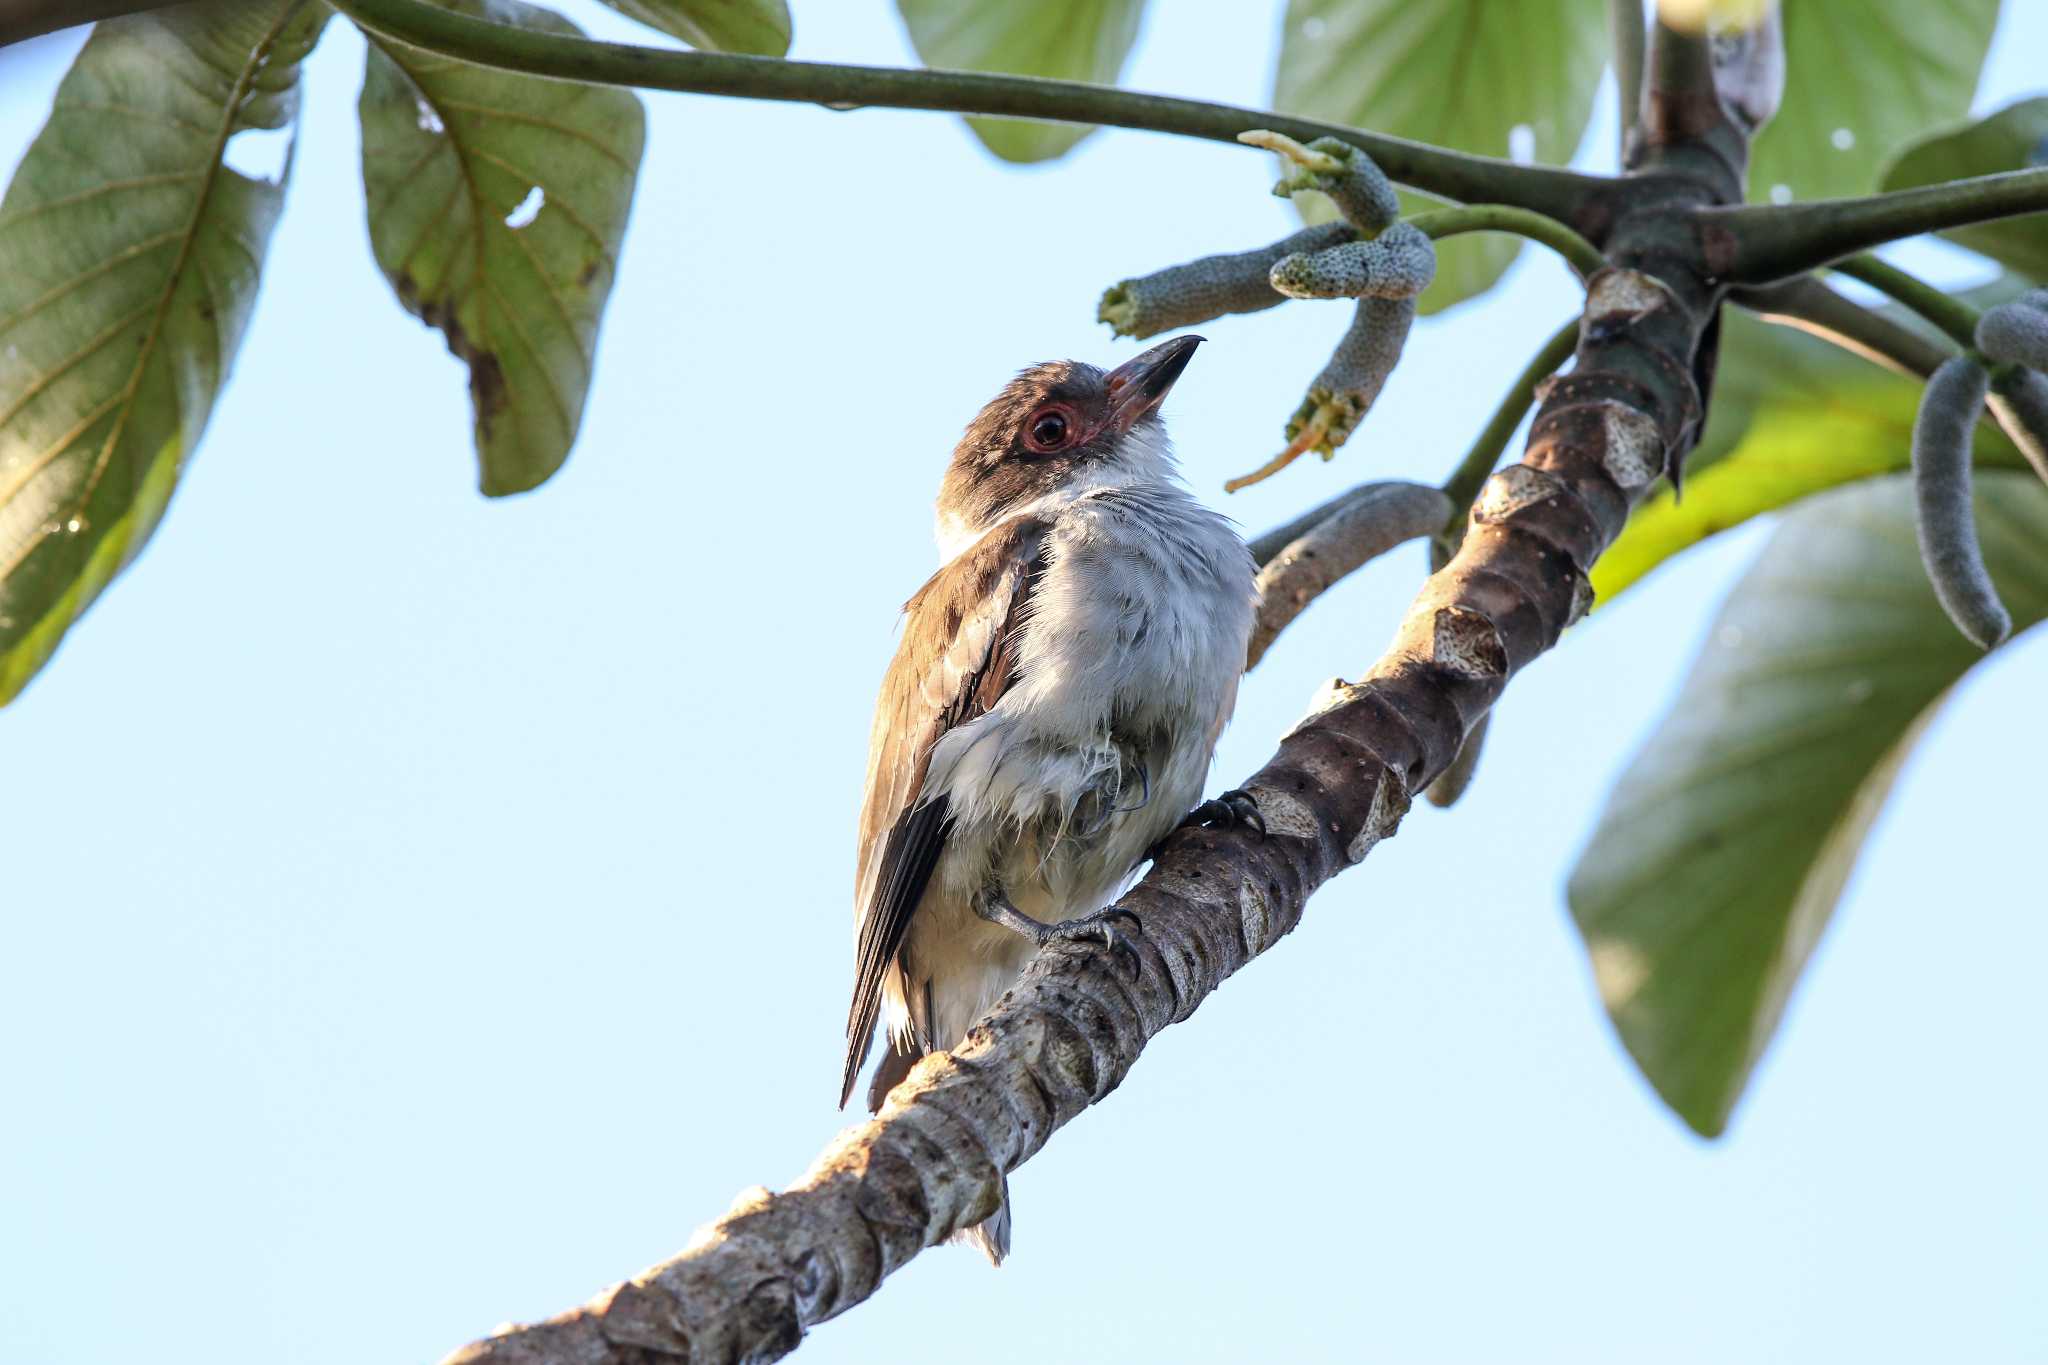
[
  {"x": 1766, "y": 242},
  {"x": 1581, "y": 254},
  {"x": 1472, "y": 471},
  {"x": 1458, "y": 176},
  {"x": 1953, "y": 316},
  {"x": 1625, "y": 36}
]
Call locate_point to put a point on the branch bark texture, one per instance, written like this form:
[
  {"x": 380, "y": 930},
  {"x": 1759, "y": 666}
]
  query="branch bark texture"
[{"x": 932, "y": 1161}]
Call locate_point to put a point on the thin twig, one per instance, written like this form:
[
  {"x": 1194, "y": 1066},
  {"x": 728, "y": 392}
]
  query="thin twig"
[
  {"x": 1452, "y": 175},
  {"x": 1580, "y": 254},
  {"x": 1761, "y": 243},
  {"x": 1953, "y": 316},
  {"x": 1374, "y": 520}
]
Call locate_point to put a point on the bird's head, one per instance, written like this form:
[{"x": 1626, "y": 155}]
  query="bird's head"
[{"x": 1058, "y": 428}]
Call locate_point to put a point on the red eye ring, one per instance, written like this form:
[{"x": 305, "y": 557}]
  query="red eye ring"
[{"x": 1049, "y": 429}]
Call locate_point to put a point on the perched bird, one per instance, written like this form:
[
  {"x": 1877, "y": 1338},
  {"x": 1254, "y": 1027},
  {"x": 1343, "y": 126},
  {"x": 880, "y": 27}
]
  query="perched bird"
[{"x": 1052, "y": 709}]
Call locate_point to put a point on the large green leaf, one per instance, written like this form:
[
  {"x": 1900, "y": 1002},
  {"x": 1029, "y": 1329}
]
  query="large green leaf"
[
  {"x": 1459, "y": 73},
  {"x": 1792, "y": 415},
  {"x": 2012, "y": 139},
  {"x": 1722, "y": 850},
  {"x": 1863, "y": 78},
  {"x": 1075, "y": 40},
  {"x": 758, "y": 28},
  {"x": 132, "y": 255},
  {"x": 497, "y": 204}
]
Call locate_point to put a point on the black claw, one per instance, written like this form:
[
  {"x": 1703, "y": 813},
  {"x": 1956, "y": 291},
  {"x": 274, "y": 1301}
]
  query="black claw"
[
  {"x": 1231, "y": 808},
  {"x": 1101, "y": 928}
]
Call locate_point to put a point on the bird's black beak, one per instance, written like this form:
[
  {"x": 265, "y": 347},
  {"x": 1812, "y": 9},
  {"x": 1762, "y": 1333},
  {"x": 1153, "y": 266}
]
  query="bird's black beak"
[{"x": 1137, "y": 386}]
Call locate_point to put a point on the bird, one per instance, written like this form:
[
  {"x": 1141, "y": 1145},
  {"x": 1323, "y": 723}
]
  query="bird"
[{"x": 1051, "y": 709}]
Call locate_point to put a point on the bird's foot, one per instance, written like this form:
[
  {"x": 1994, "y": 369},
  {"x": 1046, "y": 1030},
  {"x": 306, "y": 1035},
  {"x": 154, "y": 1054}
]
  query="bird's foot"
[
  {"x": 1232, "y": 808},
  {"x": 1100, "y": 927}
]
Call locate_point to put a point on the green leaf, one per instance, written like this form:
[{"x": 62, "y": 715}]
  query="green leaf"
[
  {"x": 132, "y": 260},
  {"x": 1459, "y": 73},
  {"x": 1863, "y": 78},
  {"x": 497, "y": 204},
  {"x": 1074, "y": 40},
  {"x": 1723, "y": 848},
  {"x": 1791, "y": 415},
  {"x": 756, "y": 28},
  {"x": 2014, "y": 138}
]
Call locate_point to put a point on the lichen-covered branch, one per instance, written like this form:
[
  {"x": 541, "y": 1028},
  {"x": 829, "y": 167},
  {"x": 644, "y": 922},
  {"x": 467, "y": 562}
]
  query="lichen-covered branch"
[{"x": 932, "y": 1161}]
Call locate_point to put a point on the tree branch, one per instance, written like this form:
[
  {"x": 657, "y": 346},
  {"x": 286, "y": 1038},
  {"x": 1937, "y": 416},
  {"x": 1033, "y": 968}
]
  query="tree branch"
[
  {"x": 1951, "y": 315},
  {"x": 1451, "y": 175},
  {"x": 1811, "y": 306},
  {"x": 1580, "y": 254},
  {"x": 1369, "y": 522},
  {"x": 932, "y": 1162},
  {"x": 1762, "y": 243}
]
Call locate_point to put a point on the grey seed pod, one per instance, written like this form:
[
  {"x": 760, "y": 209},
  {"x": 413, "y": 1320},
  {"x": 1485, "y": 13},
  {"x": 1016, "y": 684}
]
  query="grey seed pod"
[
  {"x": 1355, "y": 184},
  {"x": 1946, "y": 522},
  {"x": 1452, "y": 781},
  {"x": 1345, "y": 390},
  {"x": 1398, "y": 264},
  {"x": 1197, "y": 291},
  {"x": 2019, "y": 400},
  {"x": 1359, "y": 367},
  {"x": 2017, "y": 332}
]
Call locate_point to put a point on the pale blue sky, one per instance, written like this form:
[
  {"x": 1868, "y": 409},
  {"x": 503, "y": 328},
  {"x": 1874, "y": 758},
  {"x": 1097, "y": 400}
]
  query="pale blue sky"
[{"x": 422, "y": 911}]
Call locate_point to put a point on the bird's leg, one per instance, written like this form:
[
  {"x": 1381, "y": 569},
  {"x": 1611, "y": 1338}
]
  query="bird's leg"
[{"x": 994, "y": 906}]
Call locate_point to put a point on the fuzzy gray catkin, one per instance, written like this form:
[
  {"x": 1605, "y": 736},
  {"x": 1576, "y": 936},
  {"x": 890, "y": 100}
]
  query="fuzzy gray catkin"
[
  {"x": 1946, "y": 522},
  {"x": 1398, "y": 264},
  {"x": 1361, "y": 190},
  {"x": 2019, "y": 400},
  {"x": 1358, "y": 369},
  {"x": 2017, "y": 332},
  {"x": 1196, "y": 291}
]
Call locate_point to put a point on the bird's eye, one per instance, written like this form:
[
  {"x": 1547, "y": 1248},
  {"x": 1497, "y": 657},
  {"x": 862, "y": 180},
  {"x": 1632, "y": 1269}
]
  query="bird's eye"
[{"x": 1048, "y": 430}]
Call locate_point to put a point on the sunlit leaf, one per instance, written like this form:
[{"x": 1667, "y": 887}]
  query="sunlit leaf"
[
  {"x": 1725, "y": 845},
  {"x": 1476, "y": 75},
  {"x": 2014, "y": 138},
  {"x": 497, "y": 203},
  {"x": 758, "y": 28},
  {"x": 1864, "y": 78},
  {"x": 132, "y": 255},
  {"x": 1792, "y": 415},
  {"x": 1075, "y": 40}
]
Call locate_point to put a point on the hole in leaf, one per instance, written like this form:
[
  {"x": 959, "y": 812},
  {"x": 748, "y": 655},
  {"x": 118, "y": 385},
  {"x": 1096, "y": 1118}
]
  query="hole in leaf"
[
  {"x": 1781, "y": 194},
  {"x": 527, "y": 209},
  {"x": 429, "y": 121},
  {"x": 1843, "y": 139},
  {"x": 259, "y": 153},
  {"x": 1522, "y": 144}
]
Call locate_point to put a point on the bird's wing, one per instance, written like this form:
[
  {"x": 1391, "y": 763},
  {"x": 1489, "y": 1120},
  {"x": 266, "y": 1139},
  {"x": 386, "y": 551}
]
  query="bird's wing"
[{"x": 956, "y": 660}]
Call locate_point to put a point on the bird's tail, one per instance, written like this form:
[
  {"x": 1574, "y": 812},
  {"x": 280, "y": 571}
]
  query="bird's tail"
[{"x": 991, "y": 1236}]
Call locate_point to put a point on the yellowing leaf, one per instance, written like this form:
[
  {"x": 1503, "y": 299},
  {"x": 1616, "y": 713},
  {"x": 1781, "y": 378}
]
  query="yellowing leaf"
[
  {"x": 132, "y": 259},
  {"x": 497, "y": 205}
]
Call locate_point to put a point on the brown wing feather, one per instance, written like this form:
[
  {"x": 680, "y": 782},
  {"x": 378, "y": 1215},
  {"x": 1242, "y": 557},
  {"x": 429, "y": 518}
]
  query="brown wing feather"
[{"x": 955, "y": 662}]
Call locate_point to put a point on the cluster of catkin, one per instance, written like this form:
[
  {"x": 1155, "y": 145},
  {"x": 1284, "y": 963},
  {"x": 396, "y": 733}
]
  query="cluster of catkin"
[
  {"x": 2007, "y": 366},
  {"x": 1369, "y": 256}
]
